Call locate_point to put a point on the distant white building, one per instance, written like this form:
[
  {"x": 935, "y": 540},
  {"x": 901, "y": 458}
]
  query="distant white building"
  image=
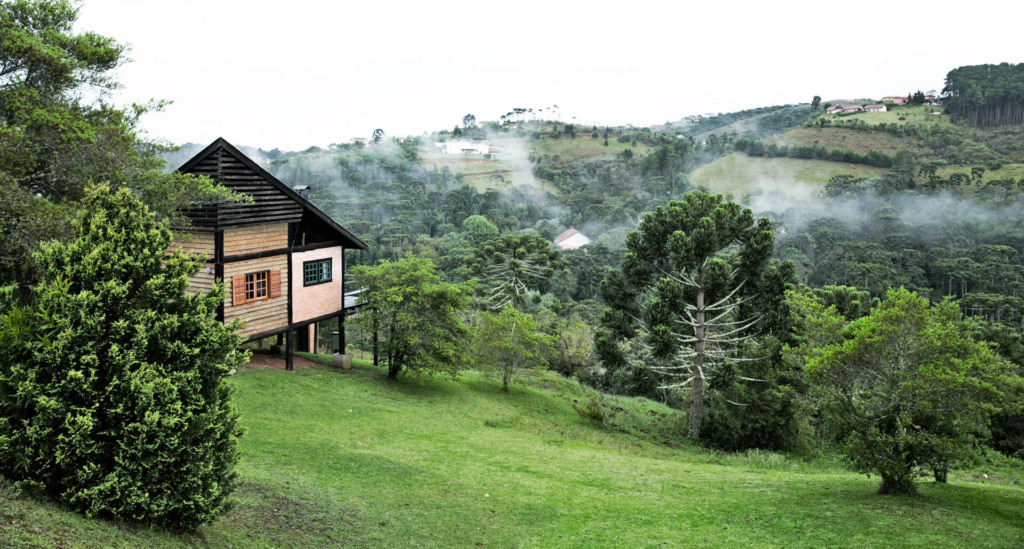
[
  {"x": 845, "y": 107},
  {"x": 464, "y": 146},
  {"x": 876, "y": 108},
  {"x": 571, "y": 240}
]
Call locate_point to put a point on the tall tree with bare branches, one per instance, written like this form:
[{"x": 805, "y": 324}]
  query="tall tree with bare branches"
[{"x": 690, "y": 292}]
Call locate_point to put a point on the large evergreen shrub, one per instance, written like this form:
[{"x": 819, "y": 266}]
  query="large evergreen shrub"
[{"x": 112, "y": 392}]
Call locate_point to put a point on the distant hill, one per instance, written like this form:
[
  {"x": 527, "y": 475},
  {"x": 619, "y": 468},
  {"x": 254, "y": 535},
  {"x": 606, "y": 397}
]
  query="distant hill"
[
  {"x": 922, "y": 132},
  {"x": 749, "y": 123}
]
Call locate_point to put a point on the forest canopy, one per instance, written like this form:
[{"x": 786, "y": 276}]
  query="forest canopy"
[{"x": 986, "y": 95}]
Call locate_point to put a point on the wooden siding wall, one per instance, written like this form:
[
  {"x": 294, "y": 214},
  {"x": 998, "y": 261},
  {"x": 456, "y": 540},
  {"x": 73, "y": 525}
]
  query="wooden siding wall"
[
  {"x": 270, "y": 204},
  {"x": 202, "y": 281},
  {"x": 263, "y": 315},
  {"x": 255, "y": 238},
  {"x": 201, "y": 243}
]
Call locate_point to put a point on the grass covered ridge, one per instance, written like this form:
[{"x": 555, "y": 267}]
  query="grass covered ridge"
[
  {"x": 738, "y": 174},
  {"x": 349, "y": 458}
]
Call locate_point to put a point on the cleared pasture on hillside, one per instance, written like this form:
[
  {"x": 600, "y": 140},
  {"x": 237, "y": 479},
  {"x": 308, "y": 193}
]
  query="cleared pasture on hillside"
[
  {"x": 738, "y": 174},
  {"x": 336, "y": 458}
]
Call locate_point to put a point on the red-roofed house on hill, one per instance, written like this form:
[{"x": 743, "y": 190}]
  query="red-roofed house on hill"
[
  {"x": 571, "y": 240},
  {"x": 282, "y": 260}
]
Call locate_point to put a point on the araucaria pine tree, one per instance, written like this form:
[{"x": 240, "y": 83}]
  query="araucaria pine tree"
[
  {"x": 697, "y": 285},
  {"x": 112, "y": 389}
]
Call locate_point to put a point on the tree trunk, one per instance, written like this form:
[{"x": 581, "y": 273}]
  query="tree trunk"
[
  {"x": 941, "y": 474},
  {"x": 376, "y": 349},
  {"x": 697, "y": 410},
  {"x": 394, "y": 364},
  {"x": 897, "y": 484}
]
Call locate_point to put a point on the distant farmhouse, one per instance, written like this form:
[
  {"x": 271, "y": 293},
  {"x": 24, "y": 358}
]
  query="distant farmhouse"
[
  {"x": 929, "y": 99},
  {"x": 464, "y": 146},
  {"x": 852, "y": 107},
  {"x": 844, "y": 107},
  {"x": 571, "y": 240}
]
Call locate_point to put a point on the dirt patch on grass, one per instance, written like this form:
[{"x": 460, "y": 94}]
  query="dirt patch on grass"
[
  {"x": 270, "y": 516},
  {"x": 263, "y": 361}
]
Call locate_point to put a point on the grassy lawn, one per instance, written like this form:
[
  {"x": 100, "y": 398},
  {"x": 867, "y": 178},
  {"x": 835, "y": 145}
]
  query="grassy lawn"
[
  {"x": 335, "y": 458},
  {"x": 846, "y": 139},
  {"x": 739, "y": 174},
  {"x": 585, "y": 148}
]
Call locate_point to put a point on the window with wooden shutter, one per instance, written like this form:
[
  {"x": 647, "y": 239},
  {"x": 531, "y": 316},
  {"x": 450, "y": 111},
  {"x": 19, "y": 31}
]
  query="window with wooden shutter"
[
  {"x": 255, "y": 286},
  {"x": 238, "y": 290}
]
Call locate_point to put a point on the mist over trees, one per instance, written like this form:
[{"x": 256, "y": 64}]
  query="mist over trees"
[
  {"x": 757, "y": 326},
  {"x": 937, "y": 233}
]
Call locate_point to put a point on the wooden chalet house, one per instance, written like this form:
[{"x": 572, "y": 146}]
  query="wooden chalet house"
[{"x": 282, "y": 259}]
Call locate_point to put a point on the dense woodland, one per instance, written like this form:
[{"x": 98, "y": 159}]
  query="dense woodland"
[
  {"x": 986, "y": 95},
  {"x": 878, "y": 318}
]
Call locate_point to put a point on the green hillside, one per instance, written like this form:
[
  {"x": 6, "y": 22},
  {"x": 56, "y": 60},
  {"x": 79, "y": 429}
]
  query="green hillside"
[
  {"x": 335, "y": 458},
  {"x": 738, "y": 174}
]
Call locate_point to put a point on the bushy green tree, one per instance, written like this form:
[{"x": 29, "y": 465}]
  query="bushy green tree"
[
  {"x": 479, "y": 229},
  {"x": 507, "y": 342},
  {"x": 112, "y": 392},
  {"x": 59, "y": 131},
  {"x": 415, "y": 315},
  {"x": 907, "y": 387}
]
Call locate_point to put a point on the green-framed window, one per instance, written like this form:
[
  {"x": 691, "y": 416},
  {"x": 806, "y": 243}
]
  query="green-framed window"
[{"x": 317, "y": 271}]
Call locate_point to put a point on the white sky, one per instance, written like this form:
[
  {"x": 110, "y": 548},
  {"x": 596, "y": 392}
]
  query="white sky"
[{"x": 291, "y": 74}]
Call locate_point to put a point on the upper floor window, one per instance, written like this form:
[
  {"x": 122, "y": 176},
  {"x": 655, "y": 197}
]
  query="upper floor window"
[{"x": 316, "y": 272}]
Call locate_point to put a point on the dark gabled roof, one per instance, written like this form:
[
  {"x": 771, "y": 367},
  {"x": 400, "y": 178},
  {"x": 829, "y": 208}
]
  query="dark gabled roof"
[{"x": 347, "y": 238}]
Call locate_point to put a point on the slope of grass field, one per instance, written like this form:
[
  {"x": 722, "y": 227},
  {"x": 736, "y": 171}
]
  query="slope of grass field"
[
  {"x": 584, "y": 147},
  {"x": 336, "y": 458},
  {"x": 848, "y": 140},
  {"x": 738, "y": 174}
]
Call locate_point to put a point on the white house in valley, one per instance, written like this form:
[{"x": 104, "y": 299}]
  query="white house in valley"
[{"x": 571, "y": 240}]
